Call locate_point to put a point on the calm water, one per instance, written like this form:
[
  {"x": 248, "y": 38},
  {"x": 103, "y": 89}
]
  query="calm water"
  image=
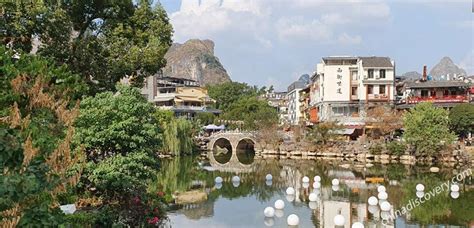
[{"x": 242, "y": 204}]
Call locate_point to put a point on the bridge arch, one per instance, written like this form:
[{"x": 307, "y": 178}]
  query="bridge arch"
[
  {"x": 246, "y": 144},
  {"x": 222, "y": 150}
]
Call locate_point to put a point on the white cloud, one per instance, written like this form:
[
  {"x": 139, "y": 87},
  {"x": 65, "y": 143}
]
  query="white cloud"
[
  {"x": 467, "y": 63},
  {"x": 349, "y": 40}
]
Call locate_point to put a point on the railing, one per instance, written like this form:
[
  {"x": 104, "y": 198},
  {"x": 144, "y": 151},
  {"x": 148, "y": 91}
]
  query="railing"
[
  {"x": 443, "y": 99},
  {"x": 377, "y": 97}
]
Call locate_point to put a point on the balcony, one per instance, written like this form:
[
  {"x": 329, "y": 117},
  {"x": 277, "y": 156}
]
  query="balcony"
[
  {"x": 377, "y": 97},
  {"x": 442, "y": 99}
]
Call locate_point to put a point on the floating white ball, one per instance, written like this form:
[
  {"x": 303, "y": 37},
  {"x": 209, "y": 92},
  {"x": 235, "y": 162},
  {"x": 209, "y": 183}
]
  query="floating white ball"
[
  {"x": 293, "y": 220},
  {"x": 236, "y": 184},
  {"x": 268, "y": 177},
  {"x": 317, "y": 184},
  {"x": 317, "y": 178},
  {"x": 279, "y": 213},
  {"x": 313, "y": 205},
  {"x": 335, "y": 188},
  {"x": 454, "y": 195},
  {"x": 279, "y": 204},
  {"x": 373, "y": 201},
  {"x": 357, "y": 225},
  {"x": 305, "y": 185},
  {"x": 454, "y": 188},
  {"x": 290, "y": 191},
  {"x": 420, "y": 194},
  {"x": 385, "y": 206},
  {"x": 269, "y": 182},
  {"x": 269, "y": 222},
  {"x": 313, "y": 197},
  {"x": 218, "y": 185},
  {"x": 235, "y": 179},
  {"x": 218, "y": 180},
  {"x": 339, "y": 220},
  {"x": 373, "y": 209},
  {"x": 305, "y": 179},
  {"x": 381, "y": 188},
  {"x": 420, "y": 187},
  {"x": 382, "y": 195},
  {"x": 269, "y": 212},
  {"x": 385, "y": 215},
  {"x": 335, "y": 182},
  {"x": 290, "y": 198}
]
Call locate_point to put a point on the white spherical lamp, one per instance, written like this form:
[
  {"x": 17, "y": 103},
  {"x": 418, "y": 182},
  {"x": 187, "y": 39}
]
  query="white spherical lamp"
[
  {"x": 454, "y": 188},
  {"x": 357, "y": 225},
  {"x": 269, "y": 222},
  {"x": 420, "y": 187},
  {"x": 373, "y": 201},
  {"x": 381, "y": 188},
  {"x": 279, "y": 204},
  {"x": 293, "y": 220},
  {"x": 339, "y": 220},
  {"x": 279, "y": 213},
  {"x": 382, "y": 195},
  {"x": 290, "y": 198},
  {"x": 317, "y": 178},
  {"x": 335, "y": 182},
  {"x": 420, "y": 194},
  {"x": 236, "y": 184},
  {"x": 313, "y": 205},
  {"x": 269, "y": 182},
  {"x": 454, "y": 195},
  {"x": 218, "y": 185},
  {"x": 218, "y": 180},
  {"x": 305, "y": 179},
  {"x": 313, "y": 197},
  {"x": 385, "y": 206},
  {"x": 317, "y": 184},
  {"x": 269, "y": 212},
  {"x": 290, "y": 191},
  {"x": 305, "y": 185},
  {"x": 373, "y": 209},
  {"x": 235, "y": 179},
  {"x": 335, "y": 188},
  {"x": 268, "y": 177}
]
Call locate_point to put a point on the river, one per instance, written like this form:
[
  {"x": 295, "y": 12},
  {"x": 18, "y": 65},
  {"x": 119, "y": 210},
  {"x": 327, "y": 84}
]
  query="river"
[{"x": 241, "y": 204}]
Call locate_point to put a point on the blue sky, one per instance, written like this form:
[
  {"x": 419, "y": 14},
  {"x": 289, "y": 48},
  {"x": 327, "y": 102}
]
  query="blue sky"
[{"x": 265, "y": 42}]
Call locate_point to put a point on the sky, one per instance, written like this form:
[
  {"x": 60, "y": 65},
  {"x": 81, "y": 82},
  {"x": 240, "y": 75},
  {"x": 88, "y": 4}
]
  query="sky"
[{"x": 273, "y": 42}]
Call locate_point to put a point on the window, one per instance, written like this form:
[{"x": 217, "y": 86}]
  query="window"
[
  {"x": 371, "y": 73},
  {"x": 382, "y": 73},
  {"x": 446, "y": 92},
  {"x": 354, "y": 91},
  {"x": 370, "y": 89},
  {"x": 354, "y": 76},
  {"x": 382, "y": 89},
  {"x": 424, "y": 93}
]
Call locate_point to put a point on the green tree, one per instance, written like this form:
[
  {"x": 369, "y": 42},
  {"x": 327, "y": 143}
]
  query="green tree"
[
  {"x": 103, "y": 41},
  {"x": 205, "y": 118},
  {"x": 37, "y": 160},
  {"x": 254, "y": 112},
  {"x": 323, "y": 132},
  {"x": 117, "y": 123},
  {"x": 461, "y": 119},
  {"x": 178, "y": 137},
  {"x": 228, "y": 93},
  {"x": 427, "y": 129}
]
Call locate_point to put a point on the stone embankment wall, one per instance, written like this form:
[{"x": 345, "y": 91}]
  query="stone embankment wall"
[{"x": 353, "y": 151}]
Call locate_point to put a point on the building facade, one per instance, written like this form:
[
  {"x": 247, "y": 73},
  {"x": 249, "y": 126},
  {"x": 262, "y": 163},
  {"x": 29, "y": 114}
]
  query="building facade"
[
  {"x": 344, "y": 88},
  {"x": 279, "y": 101},
  {"x": 293, "y": 96}
]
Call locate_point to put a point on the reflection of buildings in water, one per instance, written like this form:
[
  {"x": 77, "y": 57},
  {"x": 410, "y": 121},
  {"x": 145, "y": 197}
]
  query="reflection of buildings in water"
[
  {"x": 198, "y": 211},
  {"x": 291, "y": 177}
]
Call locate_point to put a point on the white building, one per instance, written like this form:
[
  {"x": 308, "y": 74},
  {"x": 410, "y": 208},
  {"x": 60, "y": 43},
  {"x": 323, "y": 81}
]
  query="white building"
[
  {"x": 345, "y": 87},
  {"x": 293, "y": 97}
]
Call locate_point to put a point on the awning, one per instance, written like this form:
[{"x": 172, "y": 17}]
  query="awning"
[
  {"x": 345, "y": 131},
  {"x": 161, "y": 99},
  {"x": 214, "y": 127}
]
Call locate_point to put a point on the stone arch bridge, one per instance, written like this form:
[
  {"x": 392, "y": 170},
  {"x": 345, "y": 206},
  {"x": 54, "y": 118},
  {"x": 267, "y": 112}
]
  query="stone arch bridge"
[{"x": 232, "y": 141}]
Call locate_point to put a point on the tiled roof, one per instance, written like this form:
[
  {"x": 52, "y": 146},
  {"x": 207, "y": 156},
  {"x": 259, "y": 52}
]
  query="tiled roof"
[
  {"x": 436, "y": 84},
  {"x": 376, "y": 61}
]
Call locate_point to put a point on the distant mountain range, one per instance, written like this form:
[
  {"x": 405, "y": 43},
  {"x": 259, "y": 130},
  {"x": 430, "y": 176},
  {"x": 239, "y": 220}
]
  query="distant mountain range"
[
  {"x": 439, "y": 71},
  {"x": 195, "y": 60}
]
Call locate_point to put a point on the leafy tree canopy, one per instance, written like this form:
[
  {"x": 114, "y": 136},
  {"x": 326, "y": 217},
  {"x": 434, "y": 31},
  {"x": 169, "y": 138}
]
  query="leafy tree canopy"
[
  {"x": 228, "y": 93},
  {"x": 461, "y": 119},
  {"x": 117, "y": 123},
  {"x": 427, "y": 129},
  {"x": 103, "y": 41},
  {"x": 254, "y": 112}
]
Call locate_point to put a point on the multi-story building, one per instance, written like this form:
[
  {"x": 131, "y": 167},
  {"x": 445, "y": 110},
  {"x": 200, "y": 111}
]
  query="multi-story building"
[
  {"x": 304, "y": 105},
  {"x": 280, "y": 102},
  {"x": 293, "y": 97},
  {"x": 343, "y": 88}
]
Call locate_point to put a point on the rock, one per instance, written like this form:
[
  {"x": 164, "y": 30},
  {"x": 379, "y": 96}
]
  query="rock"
[
  {"x": 190, "y": 197},
  {"x": 444, "y": 67},
  {"x": 384, "y": 157},
  {"x": 345, "y": 166},
  {"x": 434, "y": 169},
  {"x": 195, "y": 60}
]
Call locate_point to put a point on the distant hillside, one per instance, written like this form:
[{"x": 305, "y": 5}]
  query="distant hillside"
[
  {"x": 444, "y": 67},
  {"x": 195, "y": 60},
  {"x": 412, "y": 75}
]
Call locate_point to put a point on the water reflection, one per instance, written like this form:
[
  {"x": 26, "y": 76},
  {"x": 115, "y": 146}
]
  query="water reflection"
[{"x": 243, "y": 205}]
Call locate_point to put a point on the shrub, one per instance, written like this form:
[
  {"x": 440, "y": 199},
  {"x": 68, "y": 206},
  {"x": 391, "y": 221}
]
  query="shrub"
[
  {"x": 396, "y": 148},
  {"x": 376, "y": 148}
]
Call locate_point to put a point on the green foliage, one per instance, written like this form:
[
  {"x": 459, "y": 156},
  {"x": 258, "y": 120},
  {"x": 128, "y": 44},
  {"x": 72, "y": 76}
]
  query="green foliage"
[
  {"x": 461, "y": 119},
  {"x": 228, "y": 93},
  {"x": 121, "y": 176},
  {"x": 101, "y": 40},
  {"x": 396, "y": 148},
  {"x": 323, "y": 132},
  {"x": 178, "y": 137},
  {"x": 376, "y": 148},
  {"x": 427, "y": 129},
  {"x": 205, "y": 118},
  {"x": 116, "y": 124},
  {"x": 254, "y": 112}
]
